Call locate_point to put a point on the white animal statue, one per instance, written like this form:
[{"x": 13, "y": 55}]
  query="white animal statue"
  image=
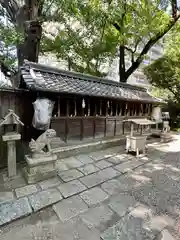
[{"x": 43, "y": 108}]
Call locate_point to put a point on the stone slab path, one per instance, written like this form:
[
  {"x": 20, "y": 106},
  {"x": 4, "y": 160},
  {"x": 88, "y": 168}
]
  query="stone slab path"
[{"x": 105, "y": 195}]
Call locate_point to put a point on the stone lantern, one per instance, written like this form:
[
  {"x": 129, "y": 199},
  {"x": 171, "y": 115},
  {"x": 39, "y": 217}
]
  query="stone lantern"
[{"x": 10, "y": 135}]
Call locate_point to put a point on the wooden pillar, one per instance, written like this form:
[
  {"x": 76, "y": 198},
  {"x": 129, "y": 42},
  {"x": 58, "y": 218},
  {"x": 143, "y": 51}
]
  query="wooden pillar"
[
  {"x": 135, "y": 110},
  {"x": 82, "y": 128},
  {"x": 89, "y": 109},
  {"x": 142, "y": 107},
  {"x": 146, "y": 109},
  {"x": 111, "y": 113},
  {"x": 107, "y": 107},
  {"x": 130, "y": 109},
  {"x": 105, "y": 126},
  {"x": 94, "y": 127},
  {"x": 67, "y": 108},
  {"x": 149, "y": 109},
  {"x": 141, "y": 129},
  {"x": 105, "y": 120},
  {"x": 94, "y": 120},
  {"x": 75, "y": 108},
  {"x": 115, "y": 123},
  {"x": 116, "y": 108},
  {"x": 67, "y": 120},
  {"x": 126, "y": 110},
  {"x": 59, "y": 107},
  {"x": 100, "y": 108},
  {"x": 120, "y": 109},
  {"x": 141, "y": 110},
  {"x": 95, "y": 109},
  {"x": 83, "y": 107},
  {"x": 82, "y": 119}
]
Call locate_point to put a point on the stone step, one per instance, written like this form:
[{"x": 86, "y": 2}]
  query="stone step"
[{"x": 82, "y": 148}]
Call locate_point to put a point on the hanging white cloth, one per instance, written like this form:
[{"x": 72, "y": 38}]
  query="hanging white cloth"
[{"x": 43, "y": 108}]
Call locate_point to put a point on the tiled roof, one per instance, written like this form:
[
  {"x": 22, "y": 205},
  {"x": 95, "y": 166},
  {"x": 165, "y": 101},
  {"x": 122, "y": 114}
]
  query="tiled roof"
[{"x": 43, "y": 78}]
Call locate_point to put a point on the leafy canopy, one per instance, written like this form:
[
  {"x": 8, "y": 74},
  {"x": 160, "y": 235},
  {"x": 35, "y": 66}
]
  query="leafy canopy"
[
  {"x": 90, "y": 32},
  {"x": 164, "y": 73}
]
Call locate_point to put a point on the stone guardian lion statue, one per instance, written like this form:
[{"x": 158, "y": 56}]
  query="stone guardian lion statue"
[{"x": 43, "y": 141}]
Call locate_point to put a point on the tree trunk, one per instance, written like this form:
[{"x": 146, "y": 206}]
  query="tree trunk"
[
  {"x": 29, "y": 49},
  {"x": 25, "y": 20},
  {"x": 28, "y": 26},
  {"x": 122, "y": 69}
]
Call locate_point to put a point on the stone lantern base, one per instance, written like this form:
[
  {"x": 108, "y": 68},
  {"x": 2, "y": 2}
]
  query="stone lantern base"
[
  {"x": 166, "y": 137},
  {"x": 40, "y": 168}
]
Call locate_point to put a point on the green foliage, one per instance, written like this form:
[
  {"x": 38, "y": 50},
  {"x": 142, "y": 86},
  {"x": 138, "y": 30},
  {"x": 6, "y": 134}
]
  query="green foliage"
[
  {"x": 88, "y": 36},
  {"x": 84, "y": 39},
  {"x": 164, "y": 73},
  {"x": 89, "y": 33},
  {"x": 161, "y": 93},
  {"x": 172, "y": 41},
  {"x": 8, "y": 41}
]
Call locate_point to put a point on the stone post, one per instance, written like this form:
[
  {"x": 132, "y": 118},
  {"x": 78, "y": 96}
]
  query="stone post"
[{"x": 11, "y": 158}]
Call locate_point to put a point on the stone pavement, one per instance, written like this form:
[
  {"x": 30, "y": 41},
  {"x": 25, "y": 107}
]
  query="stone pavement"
[{"x": 104, "y": 195}]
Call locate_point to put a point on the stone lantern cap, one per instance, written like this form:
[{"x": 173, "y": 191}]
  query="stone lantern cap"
[{"x": 11, "y": 118}]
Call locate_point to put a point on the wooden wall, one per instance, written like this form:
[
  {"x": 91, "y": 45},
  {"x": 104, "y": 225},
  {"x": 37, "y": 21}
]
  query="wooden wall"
[
  {"x": 82, "y": 126},
  {"x": 89, "y": 127}
]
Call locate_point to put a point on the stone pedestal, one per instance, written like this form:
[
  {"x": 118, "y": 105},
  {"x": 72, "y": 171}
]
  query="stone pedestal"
[
  {"x": 11, "y": 138},
  {"x": 40, "y": 168},
  {"x": 166, "y": 137}
]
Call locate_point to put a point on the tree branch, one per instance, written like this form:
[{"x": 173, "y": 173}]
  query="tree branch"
[
  {"x": 148, "y": 45},
  {"x": 132, "y": 53}
]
